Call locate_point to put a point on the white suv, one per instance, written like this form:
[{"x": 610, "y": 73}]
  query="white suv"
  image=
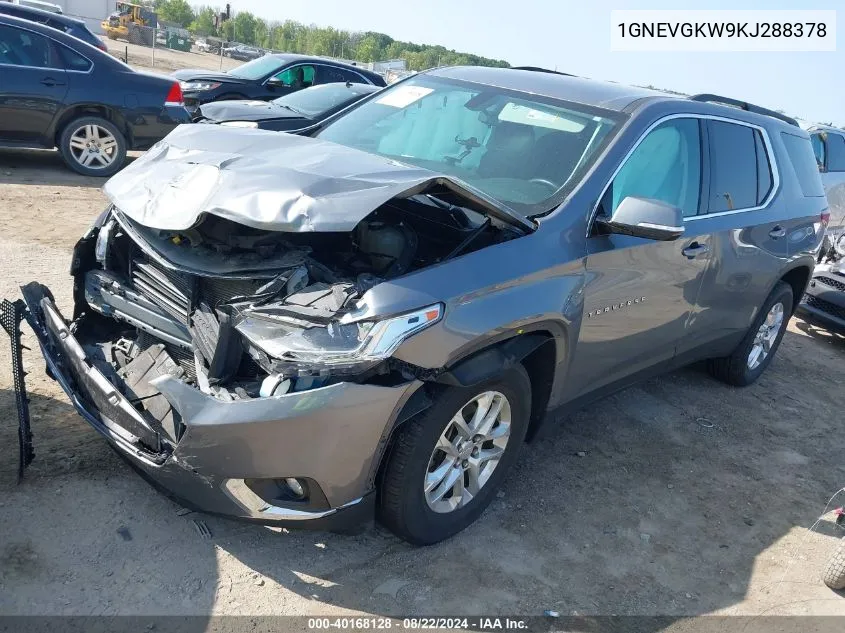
[{"x": 829, "y": 148}]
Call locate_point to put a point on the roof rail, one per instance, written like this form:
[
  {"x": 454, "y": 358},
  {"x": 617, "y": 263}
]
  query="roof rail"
[
  {"x": 744, "y": 105},
  {"x": 538, "y": 69}
]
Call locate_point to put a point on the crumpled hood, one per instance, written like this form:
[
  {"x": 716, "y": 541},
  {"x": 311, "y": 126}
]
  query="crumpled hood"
[
  {"x": 198, "y": 74},
  {"x": 245, "y": 111},
  {"x": 270, "y": 181}
]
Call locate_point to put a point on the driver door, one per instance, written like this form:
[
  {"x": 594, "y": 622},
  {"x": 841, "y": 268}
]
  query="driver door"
[{"x": 638, "y": 292}]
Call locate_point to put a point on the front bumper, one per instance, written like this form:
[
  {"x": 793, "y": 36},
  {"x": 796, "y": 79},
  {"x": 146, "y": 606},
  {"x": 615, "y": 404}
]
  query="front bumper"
[
  {"x": 825, "y": 297},
  {"x": 332, "y": 435}
]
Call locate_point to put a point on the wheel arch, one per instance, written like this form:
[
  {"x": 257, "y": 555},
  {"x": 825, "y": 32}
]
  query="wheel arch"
[
  {"x": 797, "y": 277},
  {"x": 538, "y": 350},
  {"x": 91, "y": 109}
]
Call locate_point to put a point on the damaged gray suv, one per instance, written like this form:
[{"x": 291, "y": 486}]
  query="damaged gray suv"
[{"x": 372, "y": 318}]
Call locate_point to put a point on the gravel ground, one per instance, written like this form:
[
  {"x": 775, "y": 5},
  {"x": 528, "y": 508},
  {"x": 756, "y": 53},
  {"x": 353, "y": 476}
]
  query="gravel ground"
[{"x": 680, "y": 496}]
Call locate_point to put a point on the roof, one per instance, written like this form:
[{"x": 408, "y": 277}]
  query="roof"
[
  {"x": 293, "y": 57},
  {"x": 592, "y": 92},
  {"x": 23, "y": 11}
]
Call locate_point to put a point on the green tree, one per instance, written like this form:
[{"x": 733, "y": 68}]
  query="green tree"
[
  {"x": 175, "y": 11},
  {"x": 262, "y": 33},
  {"x": 244, "y": 24},
  {"x": 203, "y": 23}
]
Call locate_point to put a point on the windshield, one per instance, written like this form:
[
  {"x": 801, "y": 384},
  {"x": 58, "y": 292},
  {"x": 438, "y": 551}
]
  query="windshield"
[
  {"x": 316, "y": 100},
  {"x": 256, "y": 69},
  {"x": 515, "y": 147}
]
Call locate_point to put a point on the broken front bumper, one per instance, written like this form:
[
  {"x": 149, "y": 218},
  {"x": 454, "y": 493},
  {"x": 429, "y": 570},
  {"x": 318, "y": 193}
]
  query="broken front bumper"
[{"x": 331, "y": 436}]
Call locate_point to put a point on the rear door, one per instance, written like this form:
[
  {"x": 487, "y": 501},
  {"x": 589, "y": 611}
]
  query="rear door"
[
  {"x": 748, "y": 227},
  {"x": 33, "y": 85},
  {"x": 639, "y": 293}
]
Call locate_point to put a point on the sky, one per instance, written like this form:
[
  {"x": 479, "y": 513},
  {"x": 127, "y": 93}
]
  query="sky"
[{"x": 574, "y": 37}]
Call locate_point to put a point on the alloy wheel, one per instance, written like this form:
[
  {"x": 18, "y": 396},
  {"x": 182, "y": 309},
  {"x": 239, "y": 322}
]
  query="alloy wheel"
[
  {"x": 467, "y": 452},
  {"x": 766, "y": 336},
  {"x": 93, "y": 146}
]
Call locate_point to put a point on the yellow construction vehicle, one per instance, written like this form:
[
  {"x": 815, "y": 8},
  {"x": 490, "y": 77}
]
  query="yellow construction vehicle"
[{"x": 133, "y": 22}]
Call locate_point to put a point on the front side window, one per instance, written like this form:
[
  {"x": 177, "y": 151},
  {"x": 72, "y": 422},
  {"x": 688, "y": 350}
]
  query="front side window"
[
  {"x": 665, "y": 166},
  {"x": 514, "y": 147},
  {"x": 733, "y": 167},
  {"x": 296, "y": 77},
  {"x": 835, "y": 152},
  {"x": 25, "y": 48},
  {"x": 817, "y": 142}
]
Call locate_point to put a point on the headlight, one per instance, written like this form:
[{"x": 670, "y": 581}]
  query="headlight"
[
  {"x": 337, "y": 343},
  {"x": 249, "y": 124},
  {"x": 198, "y": 86}
]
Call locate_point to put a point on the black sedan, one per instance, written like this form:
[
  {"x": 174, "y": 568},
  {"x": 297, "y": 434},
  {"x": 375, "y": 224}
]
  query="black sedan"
[
  {"x": 71, "y": 26},
  {"x": 290, "y": 113},
  {"x": 268, "y": 77},
  {"x": 58, "y": 91}
]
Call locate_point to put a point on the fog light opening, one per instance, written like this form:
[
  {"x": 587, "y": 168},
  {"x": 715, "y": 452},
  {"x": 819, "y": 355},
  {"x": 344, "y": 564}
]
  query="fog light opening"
[{"x": 296, "y": 488}]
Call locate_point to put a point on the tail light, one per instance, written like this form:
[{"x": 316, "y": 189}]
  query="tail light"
[
  {"x": 825, "y": 218},
  {"x": 174, "y": 97}
]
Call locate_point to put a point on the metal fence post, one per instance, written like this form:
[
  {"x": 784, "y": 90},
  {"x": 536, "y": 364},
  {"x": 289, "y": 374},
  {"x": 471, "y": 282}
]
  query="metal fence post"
[
  {"x": 155, "y": 34},
  {"x": 221, "y": 54}
]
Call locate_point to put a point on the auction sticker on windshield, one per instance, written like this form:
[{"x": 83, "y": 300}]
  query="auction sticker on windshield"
[{"x": 403, "y": 96}]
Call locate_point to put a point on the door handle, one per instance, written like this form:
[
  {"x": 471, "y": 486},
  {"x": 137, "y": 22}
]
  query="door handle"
[
  {"x": 695, "y": 249},
  {"x": 50, "y": 82},
  {"x": 777, "y": 232}
]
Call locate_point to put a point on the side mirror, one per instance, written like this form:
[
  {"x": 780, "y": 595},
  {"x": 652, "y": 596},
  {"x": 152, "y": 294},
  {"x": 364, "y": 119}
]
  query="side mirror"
[
  {"x": 644, "y": 217},
  {"x": 275, "y": 82}
]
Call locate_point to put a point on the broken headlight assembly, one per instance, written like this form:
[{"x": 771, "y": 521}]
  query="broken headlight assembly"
[{"x": 354, "y": 345}]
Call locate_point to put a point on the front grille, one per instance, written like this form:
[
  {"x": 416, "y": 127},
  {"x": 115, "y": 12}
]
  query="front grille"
[
  {"x": 833, "y": 283},
  {"x": 825, "y": 306},
  {"x": 171, "y": 291}
]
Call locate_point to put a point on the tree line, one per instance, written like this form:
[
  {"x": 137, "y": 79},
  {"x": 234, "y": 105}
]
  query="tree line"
[{"x": 294, "y": 37}]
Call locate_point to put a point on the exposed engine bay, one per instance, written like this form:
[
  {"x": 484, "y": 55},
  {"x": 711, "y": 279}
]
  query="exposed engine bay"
[{"x": 240, "y": 312}]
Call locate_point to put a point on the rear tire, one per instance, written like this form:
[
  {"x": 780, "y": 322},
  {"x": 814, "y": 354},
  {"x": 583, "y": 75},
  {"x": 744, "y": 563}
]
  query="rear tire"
[
  {"x": 742, "y": 367},
  {"x": 102, "y": 136},
  {"x": 407, "y": 503},
  {"x": 834, "y": 572}
]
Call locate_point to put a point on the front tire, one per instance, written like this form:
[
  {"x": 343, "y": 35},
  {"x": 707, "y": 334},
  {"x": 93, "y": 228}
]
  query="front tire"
[
  {"x": 754, "y": 353},
  {"x": 444, "y": 466},
  {"x": 93, "y": 146}
]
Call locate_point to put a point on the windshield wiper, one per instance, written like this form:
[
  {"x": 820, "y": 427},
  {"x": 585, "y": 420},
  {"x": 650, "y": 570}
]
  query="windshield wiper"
[{"x": 287, "y": 107}]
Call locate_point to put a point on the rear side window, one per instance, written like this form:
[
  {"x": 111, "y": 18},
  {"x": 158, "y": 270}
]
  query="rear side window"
[
  {"x": 73, "y": 60},
  {"x": 804, "y": 165},
  {"x": 835, "y": 152},
  {"x": 739, "y": 172},
  {"x": 330, "y": 74}
]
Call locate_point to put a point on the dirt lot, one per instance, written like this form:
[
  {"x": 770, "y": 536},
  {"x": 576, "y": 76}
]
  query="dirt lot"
[
  {"x": 681, "y": 496},
  {"x": 165, "y": 60}
]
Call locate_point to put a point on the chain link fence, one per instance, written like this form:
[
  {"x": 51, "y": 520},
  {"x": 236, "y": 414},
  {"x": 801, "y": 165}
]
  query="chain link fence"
[{"x": 166, "y": 49}]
